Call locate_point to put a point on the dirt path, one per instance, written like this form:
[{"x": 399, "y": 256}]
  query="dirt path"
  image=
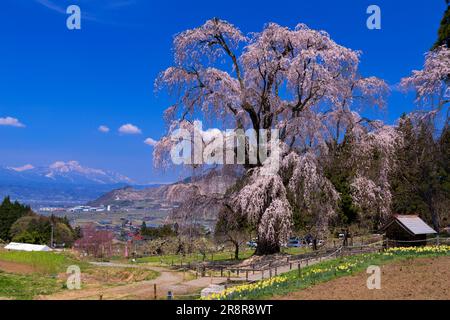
[
  {"x": 14, "y": 267},
  {"x": 406, "y": 280},
  {"x": 166, "y": 281}
]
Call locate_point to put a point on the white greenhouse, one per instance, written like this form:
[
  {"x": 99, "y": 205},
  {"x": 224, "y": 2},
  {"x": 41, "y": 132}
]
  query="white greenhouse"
[{"x": 26, "y": 247}]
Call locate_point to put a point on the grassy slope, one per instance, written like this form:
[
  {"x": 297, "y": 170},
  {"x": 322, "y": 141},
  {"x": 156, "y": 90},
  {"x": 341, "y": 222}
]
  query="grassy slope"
[
  {"x": 44, "y": 281},
  {"x": 221, "y": 256},
  {"x": 117, "y": 276},
  {"x": 43, "y": 262},
  {"x": 24, "y": 287},
  {"x": 48, "y": 265},
  {"x": 176, "y": 258}
]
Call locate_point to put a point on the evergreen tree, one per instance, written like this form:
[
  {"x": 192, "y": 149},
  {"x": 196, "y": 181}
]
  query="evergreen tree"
[
  {"x": 421, "y": 183},
  {"x": 405, "y": 182},
  {"x": 443, "y": 206},
  {"x": 9, "y": 213},
  {"x": 340, "y": 174},
  {"x": 444, "y": 30},
  {"x": 143, "y": 227}
]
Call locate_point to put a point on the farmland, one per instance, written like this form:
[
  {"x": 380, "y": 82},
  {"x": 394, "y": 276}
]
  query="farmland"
[
  {"x": 421, "y": 279},
  {"x": 41, "y": 275},
  {"x": 25, "y": 275},
  {"x": 40, "y": 262},
  {"x": 31, "y": 275},
  {"x": 298, "y": 280}
]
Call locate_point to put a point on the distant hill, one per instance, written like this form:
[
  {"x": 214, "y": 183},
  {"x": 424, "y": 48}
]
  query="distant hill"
[
  {"x": 201, "y": 196},
  {"x": 61, "y": 183}
]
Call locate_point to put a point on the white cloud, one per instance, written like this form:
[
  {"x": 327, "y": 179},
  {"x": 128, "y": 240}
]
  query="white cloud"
[
  {"x": 129, "y": 129},
  {"x": 150, "y": 142},
  {"x": 12, "y": 122},
  {"x": 103, "y": 129},
  {"x": 50, "y": 5},
  {"x": 23, "y": 168},
  {"x": 63, "y": 10}
]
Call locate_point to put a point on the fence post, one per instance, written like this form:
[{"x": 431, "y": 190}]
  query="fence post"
[
  {"x": 276, "y": 271},
  {"x": 290, "y": 265},
  {"x": 246, "y": 275},
  {"x": 237, "y": 272},
  {"x": 262, "y": 274},
  {"x": 299, "y": 269},
  {"x": 270, "y": 273},
  {"x": 169, "y": 295},
  {"x": 221, "y": 272},
  {"x": 228, "y": 278},
  {"x": 154, "y": 291}
]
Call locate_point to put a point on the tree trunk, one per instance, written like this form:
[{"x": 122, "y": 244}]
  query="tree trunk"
[
  {"x": 266, "y": 247},
  {"x": 236, "y": 251}
]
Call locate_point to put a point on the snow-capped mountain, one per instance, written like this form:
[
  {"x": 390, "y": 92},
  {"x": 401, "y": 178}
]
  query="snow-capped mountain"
[
  {"x": 70, "y": 172},
  {"x": 61, "y": 183}
]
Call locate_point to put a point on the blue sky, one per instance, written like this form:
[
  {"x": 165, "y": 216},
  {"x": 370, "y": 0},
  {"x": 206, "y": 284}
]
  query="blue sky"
[{"x": 63, "y": 84}]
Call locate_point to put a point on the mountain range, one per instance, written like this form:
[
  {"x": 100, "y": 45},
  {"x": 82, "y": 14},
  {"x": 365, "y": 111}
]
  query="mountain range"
[
  {"x": 61, "y": 183},
  {"x": 70, "y": 172},
  {"x": 66, "y": 184}
]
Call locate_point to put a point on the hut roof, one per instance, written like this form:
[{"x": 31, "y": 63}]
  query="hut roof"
[{"x": 411, "y": 223}]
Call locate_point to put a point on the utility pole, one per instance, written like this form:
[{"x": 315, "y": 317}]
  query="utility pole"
[{"x": 51, "y": 237}]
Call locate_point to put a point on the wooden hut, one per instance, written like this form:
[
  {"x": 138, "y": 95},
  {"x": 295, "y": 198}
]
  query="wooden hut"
[{"x": 406, "y": 230}]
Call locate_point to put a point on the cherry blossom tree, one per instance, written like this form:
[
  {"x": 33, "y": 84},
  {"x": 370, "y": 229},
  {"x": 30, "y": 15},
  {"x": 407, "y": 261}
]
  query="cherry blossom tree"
[
  {"x": 95, "y": 242},
  {"x": 373, "y": 158},
  {"x": 298, "y": 81},
  {"x": 432, "y": 82}
]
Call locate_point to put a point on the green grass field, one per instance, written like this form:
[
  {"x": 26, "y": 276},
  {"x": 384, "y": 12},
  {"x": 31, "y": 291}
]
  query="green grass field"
[
  {"x": 47, "y": 265},
  {"x": 191, "y": 258},
  {"x": 217, "y": 257},
  {"x": 25, "y": 287},
  {"x": 42, "y": 262}
]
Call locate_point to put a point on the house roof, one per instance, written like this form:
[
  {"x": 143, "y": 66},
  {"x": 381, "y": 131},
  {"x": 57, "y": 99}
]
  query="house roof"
[
  {"x": 26, "y": 247},
  {"x": 412, "y": 223}
]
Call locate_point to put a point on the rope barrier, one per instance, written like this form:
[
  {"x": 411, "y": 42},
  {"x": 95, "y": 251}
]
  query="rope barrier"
[
  {"x": 366, "y": 245},
  {"x": 413, "y": 241}
]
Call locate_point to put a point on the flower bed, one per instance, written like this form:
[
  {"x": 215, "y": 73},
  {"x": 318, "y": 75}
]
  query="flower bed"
[{"x": 324, "y": 271}]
